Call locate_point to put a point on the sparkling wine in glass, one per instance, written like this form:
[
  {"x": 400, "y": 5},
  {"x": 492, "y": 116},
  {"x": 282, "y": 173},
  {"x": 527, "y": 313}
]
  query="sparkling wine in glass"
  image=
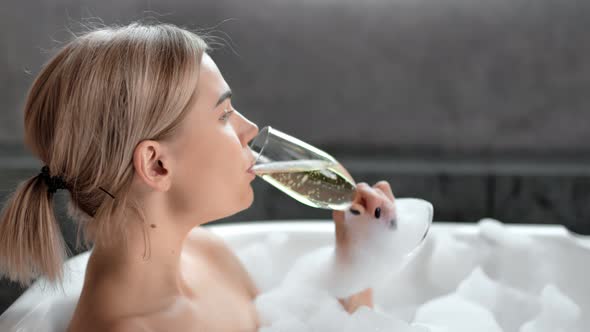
[{"x": 307, "y": 174}]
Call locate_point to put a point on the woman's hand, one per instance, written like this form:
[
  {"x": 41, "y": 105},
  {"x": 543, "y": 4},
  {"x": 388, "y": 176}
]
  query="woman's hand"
[
  {"x": 370, "y": 206},
  {"x": 372, "y": 209}
]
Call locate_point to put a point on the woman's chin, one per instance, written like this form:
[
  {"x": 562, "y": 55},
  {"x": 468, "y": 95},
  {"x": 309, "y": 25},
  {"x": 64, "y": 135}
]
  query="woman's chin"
[{"x": 246, "y": 202}]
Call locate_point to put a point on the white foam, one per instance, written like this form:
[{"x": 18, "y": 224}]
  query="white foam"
[
  {"x": 559, "y": 313},
  {"x": 258, "y": 262},
  {"x": 456, "y": 284},
  {"x": 516, "y": 259},
  {"x": 449, "y": 252},
  {"x": 263, "y": 260},
  {"x": 511, "y": 307},
  {"x": 286, "y": 324},
  {"x": 366, "y": 319},
  {"x": 457, "y": 315}
]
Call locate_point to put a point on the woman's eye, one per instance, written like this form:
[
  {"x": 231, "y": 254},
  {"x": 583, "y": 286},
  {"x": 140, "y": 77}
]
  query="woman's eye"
[{"x": 226, "y": 115}]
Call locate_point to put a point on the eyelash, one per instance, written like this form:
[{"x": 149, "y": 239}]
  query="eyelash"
[{"x": 226, "y": 115}]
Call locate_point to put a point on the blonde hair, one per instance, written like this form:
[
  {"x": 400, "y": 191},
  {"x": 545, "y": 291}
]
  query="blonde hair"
[{"x": 92, "y": 103}]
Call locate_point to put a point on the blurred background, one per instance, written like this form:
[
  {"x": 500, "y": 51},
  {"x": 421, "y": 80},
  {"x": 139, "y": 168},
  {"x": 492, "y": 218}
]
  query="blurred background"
[{"x": 479, "y": 106}]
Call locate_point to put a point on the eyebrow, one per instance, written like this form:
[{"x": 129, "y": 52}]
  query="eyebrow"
[{"x": 227, "y": 94}]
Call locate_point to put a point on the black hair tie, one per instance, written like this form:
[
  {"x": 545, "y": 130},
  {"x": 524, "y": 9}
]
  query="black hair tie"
[{"x": 54, "y": 183}]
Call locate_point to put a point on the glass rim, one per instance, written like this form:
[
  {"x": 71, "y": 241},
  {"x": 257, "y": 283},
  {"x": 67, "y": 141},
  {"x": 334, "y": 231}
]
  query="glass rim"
[
  {"x": 421, "y": 242},
  {"x": 263, "y": 133}
]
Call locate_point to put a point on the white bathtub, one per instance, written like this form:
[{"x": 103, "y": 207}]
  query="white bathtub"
[{"x": 43, "y": 307}]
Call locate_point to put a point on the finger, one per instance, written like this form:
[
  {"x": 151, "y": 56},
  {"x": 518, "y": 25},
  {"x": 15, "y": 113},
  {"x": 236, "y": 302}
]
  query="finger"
[
  {"x": 373, "y": 200},
  {"x": 386, "y": 188},
  {"x": 338, "y": 216},
  {"x": 385, "y": 191},
  {"x": 382, "y": 194},
  {"x": 387, "y": 207},
  {"x": 389, "y": 212},
  {"x": 358, "y": 202}
]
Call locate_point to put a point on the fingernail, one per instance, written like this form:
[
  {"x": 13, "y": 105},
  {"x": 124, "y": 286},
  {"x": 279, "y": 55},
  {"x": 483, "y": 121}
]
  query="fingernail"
[
  {"x": 355, "y": 212},
  {"x": 377, "y": 213}
]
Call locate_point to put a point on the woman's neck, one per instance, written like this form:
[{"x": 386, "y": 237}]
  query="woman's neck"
[{"x": 146, "y": 265}]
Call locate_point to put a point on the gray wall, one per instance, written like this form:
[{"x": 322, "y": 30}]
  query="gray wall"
[
  {"x": 489, "y": 90},
  {"x": 493, "y": 76},
  {"x": 480, "y": 106}
]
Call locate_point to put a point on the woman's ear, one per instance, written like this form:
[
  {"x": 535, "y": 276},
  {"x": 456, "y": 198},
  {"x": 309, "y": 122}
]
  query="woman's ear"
[{"x": 152, "y": 165}]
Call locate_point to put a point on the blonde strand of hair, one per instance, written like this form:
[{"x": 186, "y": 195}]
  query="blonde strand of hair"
[{"x": 31, "y": 243}]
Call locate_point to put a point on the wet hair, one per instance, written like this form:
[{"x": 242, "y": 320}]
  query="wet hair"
[{"x": 87, "y": 110}]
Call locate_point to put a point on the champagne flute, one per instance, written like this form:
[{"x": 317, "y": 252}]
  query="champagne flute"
[
  {"x": 302, "y": 171},
  {"x": 315, "y": 178}
]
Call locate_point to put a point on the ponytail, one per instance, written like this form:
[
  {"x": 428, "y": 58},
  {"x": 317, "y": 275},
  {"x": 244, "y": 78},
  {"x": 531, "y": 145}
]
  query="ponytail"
[{"x": 31, "y": 243}]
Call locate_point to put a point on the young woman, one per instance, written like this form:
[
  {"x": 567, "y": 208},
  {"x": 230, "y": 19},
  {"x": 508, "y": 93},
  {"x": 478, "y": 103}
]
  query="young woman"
[{"x": 137, "y": 124}]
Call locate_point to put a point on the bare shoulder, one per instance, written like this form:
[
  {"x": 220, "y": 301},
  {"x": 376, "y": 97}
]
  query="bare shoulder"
[
  {"x": 128, "y": 325},
  {"x": 218, "y": 252},
  {"x": 210, "y": 245},
  {"x": 184, "y": 317},
  {"x": 179, "y": 315},
  {"x": 204, "y": 239}
]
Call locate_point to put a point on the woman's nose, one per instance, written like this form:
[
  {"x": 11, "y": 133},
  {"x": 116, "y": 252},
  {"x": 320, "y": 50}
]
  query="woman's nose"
[
  {"x": 252, "y": 132},
  {"x": 249, "y": 131}
]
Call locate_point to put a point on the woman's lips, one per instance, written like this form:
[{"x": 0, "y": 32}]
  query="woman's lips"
[{"x": 251, "y": 171}]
